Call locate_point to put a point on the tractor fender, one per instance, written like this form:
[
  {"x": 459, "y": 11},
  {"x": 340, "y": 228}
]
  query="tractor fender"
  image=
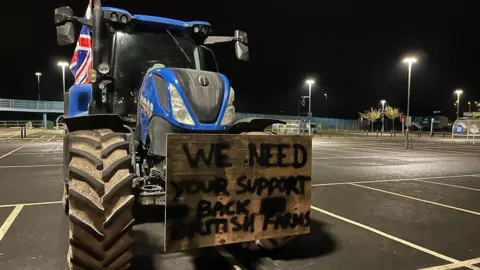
[
  {"x": 95, "y": 121},
  {"x": 253, "y": 124},
  {"x": 158, "y": 128}
]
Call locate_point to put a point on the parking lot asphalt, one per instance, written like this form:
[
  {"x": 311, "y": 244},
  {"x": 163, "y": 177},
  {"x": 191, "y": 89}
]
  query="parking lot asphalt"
[{"x": 375, "y": 205}]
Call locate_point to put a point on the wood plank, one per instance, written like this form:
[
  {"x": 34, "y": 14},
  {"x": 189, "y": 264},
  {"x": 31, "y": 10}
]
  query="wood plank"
[{"x": 224, "y": 189}]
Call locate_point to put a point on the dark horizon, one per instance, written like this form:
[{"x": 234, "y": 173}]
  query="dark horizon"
[{"x": 354, "y": 52}]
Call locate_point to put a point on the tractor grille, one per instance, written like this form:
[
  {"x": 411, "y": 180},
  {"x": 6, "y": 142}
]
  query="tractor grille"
[{"x": 205, "y": 101}]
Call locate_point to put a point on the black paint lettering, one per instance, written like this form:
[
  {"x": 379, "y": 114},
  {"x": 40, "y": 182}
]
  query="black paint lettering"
[
  {"x": 221, "y": 186},
  {"x": 291, "y": 185},
  {"x": 254, "y": 156},
  {"x": 260, "y": 185},
  {"x": 301, "y": 148},
  {"x": 281, "y": 155},
  {"x": 178, "y": 189},
  {"x": 275, "y": 184},
  {"x": 286, "y": 185},
  {"x": 218, "y": 209},
  {"x": 287, "y": 220},
  {"x": 262, "y": 159},
  {"x": 217, "y": 222},
  {"x": 221, "y": 159},
  {"x": 204, "y": 209},
  {"x": 302, "y": 180},
  {"x": 192, "y": 186},
  {"x": 216, "y": 151},
  {"x": 241, "y": 207},
  {"x": 200, "y": 155},
  {"x": 238, "y": 227},
  {"x": 249, "y": 223},
  {"x": 241, "y": 184},
  {"x": 218, "y": 185},
  {"x": 228, "y": 208},
  {"x": 267, "y": 221}
]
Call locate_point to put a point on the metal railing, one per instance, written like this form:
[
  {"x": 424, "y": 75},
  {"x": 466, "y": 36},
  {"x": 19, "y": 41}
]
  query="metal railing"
[
  {"x": 322, "y": 123},
  {"x": 21, "y": 123},
  {"x": 18, "y": 105}
]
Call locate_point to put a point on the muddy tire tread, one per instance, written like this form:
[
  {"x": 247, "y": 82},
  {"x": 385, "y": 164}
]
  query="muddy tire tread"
[{"x": 101, "y": 200}]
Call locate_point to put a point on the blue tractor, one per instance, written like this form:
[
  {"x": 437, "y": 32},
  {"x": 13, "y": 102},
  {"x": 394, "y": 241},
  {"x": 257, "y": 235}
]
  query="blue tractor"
[{"x": 150, "y": 76}]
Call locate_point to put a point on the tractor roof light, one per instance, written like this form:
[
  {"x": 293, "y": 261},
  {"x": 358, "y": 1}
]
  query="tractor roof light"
[{"x": 203, "y": 30}]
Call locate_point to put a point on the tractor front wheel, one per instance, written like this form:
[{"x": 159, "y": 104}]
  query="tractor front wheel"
[{"x": 100, "y": 200}]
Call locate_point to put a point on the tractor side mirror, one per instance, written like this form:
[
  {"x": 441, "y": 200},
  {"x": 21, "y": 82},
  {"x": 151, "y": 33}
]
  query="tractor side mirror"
[
  {"x": 65, "y": 28},
  {"x": 241, "y": 47}
]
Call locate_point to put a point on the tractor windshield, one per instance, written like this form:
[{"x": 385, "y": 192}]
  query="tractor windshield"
[{"x": 137, "y": 50}]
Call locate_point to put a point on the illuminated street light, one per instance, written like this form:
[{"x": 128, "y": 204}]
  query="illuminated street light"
[
  {"x": 309, "y": 82},
  {"x": 459, "y": 92},
  {"x": 383, "y": 101},
  {"x": 63, "y": 65},
  {"x": 409, "y": 61},
  {"x": 38, "y": 74},
  {"x": 469, "y": 107},
  {"x": 326, "y": 105}
]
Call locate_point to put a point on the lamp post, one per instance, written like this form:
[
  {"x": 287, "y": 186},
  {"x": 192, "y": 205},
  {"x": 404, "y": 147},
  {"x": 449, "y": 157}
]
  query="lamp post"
[
  {"x": 383, "y": 101},
  {"x": 309, "y": 82},
  {"x": 326, "y": 105},
  {"x": 63, "y": 65},
  {"x": 409, "y": 61},
  {"x": 38, "y": 74},
  {"x": 469, "y": 107},
  {"x": 459, "y": 92}
]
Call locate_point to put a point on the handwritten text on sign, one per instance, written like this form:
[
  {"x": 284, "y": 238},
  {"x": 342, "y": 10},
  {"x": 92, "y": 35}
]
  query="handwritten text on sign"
[{"x": 233, "y": 188}]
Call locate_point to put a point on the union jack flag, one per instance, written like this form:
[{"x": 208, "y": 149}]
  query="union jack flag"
[{"x": 82, "y": 57}]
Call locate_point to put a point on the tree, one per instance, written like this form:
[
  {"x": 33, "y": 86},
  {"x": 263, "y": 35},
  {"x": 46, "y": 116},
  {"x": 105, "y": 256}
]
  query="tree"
[
  {"x": 371, "y": 115},
  {"x": 392, "y": 113}
]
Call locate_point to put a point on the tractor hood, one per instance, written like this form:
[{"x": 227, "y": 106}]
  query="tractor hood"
[
  {"x": 188, "y": 98},
  {"x": 204, "y": 92}
]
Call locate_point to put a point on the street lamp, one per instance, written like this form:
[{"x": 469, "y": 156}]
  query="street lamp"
[
  {"x": 38, "y": 74},
  {"x": 63, "y": 65},
  {"x": 409, "y": 61},
  {"x": 458, "y": 92},
  {"x": 383, "y": 101},
  {"x": 469, "y": 107},
  {"x": 309, "y": 82},
  {"x": 326, "y": 105}
]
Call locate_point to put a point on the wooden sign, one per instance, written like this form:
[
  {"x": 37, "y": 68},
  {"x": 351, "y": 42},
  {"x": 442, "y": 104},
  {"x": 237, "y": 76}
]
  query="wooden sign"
[{"x": 224, "y": 189}]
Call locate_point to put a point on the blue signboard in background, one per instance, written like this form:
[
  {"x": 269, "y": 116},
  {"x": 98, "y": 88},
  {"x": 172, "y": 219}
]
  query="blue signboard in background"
[{"x": 460, "y": 129}]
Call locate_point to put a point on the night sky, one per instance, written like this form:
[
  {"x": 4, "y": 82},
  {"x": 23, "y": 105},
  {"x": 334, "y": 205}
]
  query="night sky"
[{"x": 352, "y": 48}]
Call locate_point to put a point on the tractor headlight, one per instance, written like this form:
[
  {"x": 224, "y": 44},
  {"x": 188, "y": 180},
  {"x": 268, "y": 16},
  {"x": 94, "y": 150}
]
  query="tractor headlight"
[
  {"x": 229, "y": 115},
  {"x": 180, "y": 112}
]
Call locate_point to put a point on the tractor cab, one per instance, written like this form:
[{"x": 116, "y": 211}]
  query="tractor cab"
[{"x": 132, "y": 47}]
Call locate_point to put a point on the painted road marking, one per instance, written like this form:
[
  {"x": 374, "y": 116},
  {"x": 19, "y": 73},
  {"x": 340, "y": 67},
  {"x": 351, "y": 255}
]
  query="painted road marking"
[
  {"x": 29, "y": 166},
  {"x": 449, "y": 185},
  {"x": 38, "y": 138},
  {"x": 29, "y": 204},
  {"x": 468, "y": 264},
  {"x": 396, "y": 180},
  {"x": 8, "y": 222},
  {"x": 420, "y": 200},
  {"x": 394, "y": 238},
  {"x": 52, "y": 138},
  {"x": 11, "y": 152}
]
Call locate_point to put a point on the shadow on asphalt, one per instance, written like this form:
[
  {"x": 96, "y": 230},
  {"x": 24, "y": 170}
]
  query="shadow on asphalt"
[
  {"x": 148, "y": 252},
  {"x": 316, "y": 244}
]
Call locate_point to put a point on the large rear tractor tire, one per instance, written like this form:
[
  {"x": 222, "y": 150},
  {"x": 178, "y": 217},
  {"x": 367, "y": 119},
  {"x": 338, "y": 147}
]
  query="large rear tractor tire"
[
  {"x": 268, "y": 243},
  {"x": 100, "y": 200}
]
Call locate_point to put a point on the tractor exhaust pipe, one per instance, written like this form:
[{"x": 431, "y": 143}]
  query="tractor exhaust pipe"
[
  {"x": 96, "y": 33},
  {"x": 97, "y": 105}
]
